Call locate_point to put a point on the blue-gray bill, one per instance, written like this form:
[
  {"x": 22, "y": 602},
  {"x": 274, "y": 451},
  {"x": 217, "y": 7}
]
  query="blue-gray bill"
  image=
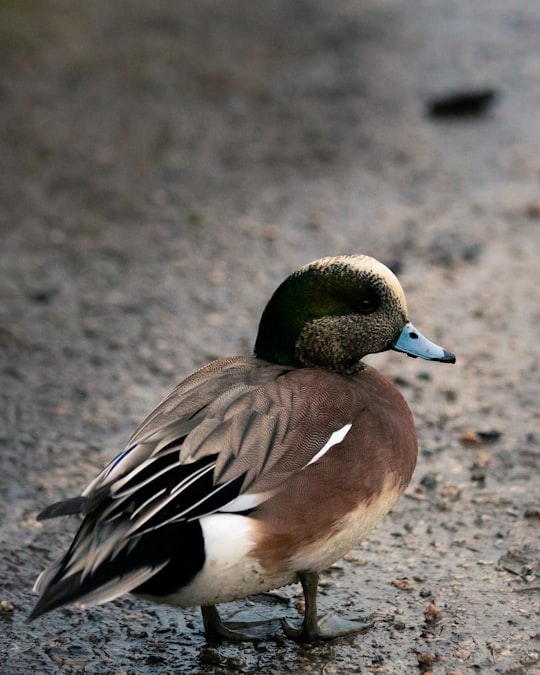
[{"x": 413, "y": 343}]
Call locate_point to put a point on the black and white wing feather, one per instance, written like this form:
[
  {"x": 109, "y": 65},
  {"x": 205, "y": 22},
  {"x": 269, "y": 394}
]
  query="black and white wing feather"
[{"x": 224, "y": 440}]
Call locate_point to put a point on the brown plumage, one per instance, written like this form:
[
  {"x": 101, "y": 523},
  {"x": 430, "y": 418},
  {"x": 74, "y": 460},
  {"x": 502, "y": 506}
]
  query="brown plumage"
[
  {"x": 372, "y": 466},
  {"x": 257, "y": 471}
]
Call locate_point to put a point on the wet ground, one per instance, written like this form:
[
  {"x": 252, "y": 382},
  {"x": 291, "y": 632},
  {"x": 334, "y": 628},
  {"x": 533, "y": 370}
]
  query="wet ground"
[{"x": 163, "y": 166}]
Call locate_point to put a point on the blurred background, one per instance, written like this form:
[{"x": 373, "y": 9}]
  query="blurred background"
[{"x": 163, "y": 166}]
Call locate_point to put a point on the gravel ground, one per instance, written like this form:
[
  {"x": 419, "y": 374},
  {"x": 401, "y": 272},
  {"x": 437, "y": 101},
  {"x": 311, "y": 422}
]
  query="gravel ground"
[{"x": 163, "y": 166}]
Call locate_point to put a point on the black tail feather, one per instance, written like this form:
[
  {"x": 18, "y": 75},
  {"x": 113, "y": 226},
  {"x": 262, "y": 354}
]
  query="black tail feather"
[
  {"x": 66, "y": 507},
  {"x": 157, "y": 563},
  {"x": 61, "y": 593}
]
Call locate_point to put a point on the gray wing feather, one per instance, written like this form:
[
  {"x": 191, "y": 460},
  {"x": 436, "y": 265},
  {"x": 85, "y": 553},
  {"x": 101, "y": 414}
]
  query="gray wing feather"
[{"x": 254, "y": 416}]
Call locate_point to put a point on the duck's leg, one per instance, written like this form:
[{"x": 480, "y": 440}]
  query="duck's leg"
[
  {"x": 234, "y": 630},
  {"x": 214, "y": 626},
  {"x": 329, "y": 627}
]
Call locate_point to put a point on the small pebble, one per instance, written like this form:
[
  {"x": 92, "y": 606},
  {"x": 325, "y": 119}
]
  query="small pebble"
[
  {"x": 489, "y": 436},
  {"x": 236, "y": 662},
  {"x": 462, "y": 103},
  {"x": 426, "y": 660},
  {"x": 432, "y": 613},
  {"x": 403, "y": 584},
  {"x": 429, "y": 480},
  {"x": 470, "y": 437},
  {"x": 6, "y": 606}
]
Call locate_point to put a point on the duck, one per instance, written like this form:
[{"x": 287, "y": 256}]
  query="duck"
[{"x": 257, "y": 471}]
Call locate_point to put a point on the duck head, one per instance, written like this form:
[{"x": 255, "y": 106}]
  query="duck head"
[{"x": 336, "y": 310}]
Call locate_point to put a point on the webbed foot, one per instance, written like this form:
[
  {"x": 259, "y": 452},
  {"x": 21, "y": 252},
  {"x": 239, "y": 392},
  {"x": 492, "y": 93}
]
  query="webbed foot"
[
  {"x": 238, "y": 631},
  {"x": 328, "y": 627}
]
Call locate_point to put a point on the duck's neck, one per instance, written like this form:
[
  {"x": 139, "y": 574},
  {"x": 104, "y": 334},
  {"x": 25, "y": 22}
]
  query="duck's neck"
[{"x": 281, "y": 323}]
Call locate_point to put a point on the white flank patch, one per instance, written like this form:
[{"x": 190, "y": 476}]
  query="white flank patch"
[
  {"x": 229, "y": 570},
  {"x": 334, "y": 439}
]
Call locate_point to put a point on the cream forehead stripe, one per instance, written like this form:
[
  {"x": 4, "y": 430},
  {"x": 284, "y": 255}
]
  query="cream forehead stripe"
[{"x": 364, "y": 264}]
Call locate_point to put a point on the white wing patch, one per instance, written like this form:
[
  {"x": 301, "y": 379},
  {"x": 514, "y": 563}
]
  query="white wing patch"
[
  {"x": 250, "y": 501},
  {"x": 334, "y": 439}
]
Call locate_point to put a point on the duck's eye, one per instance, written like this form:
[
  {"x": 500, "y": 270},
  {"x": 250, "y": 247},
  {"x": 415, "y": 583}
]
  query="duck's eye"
[{"x": 368, "y": 302}]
